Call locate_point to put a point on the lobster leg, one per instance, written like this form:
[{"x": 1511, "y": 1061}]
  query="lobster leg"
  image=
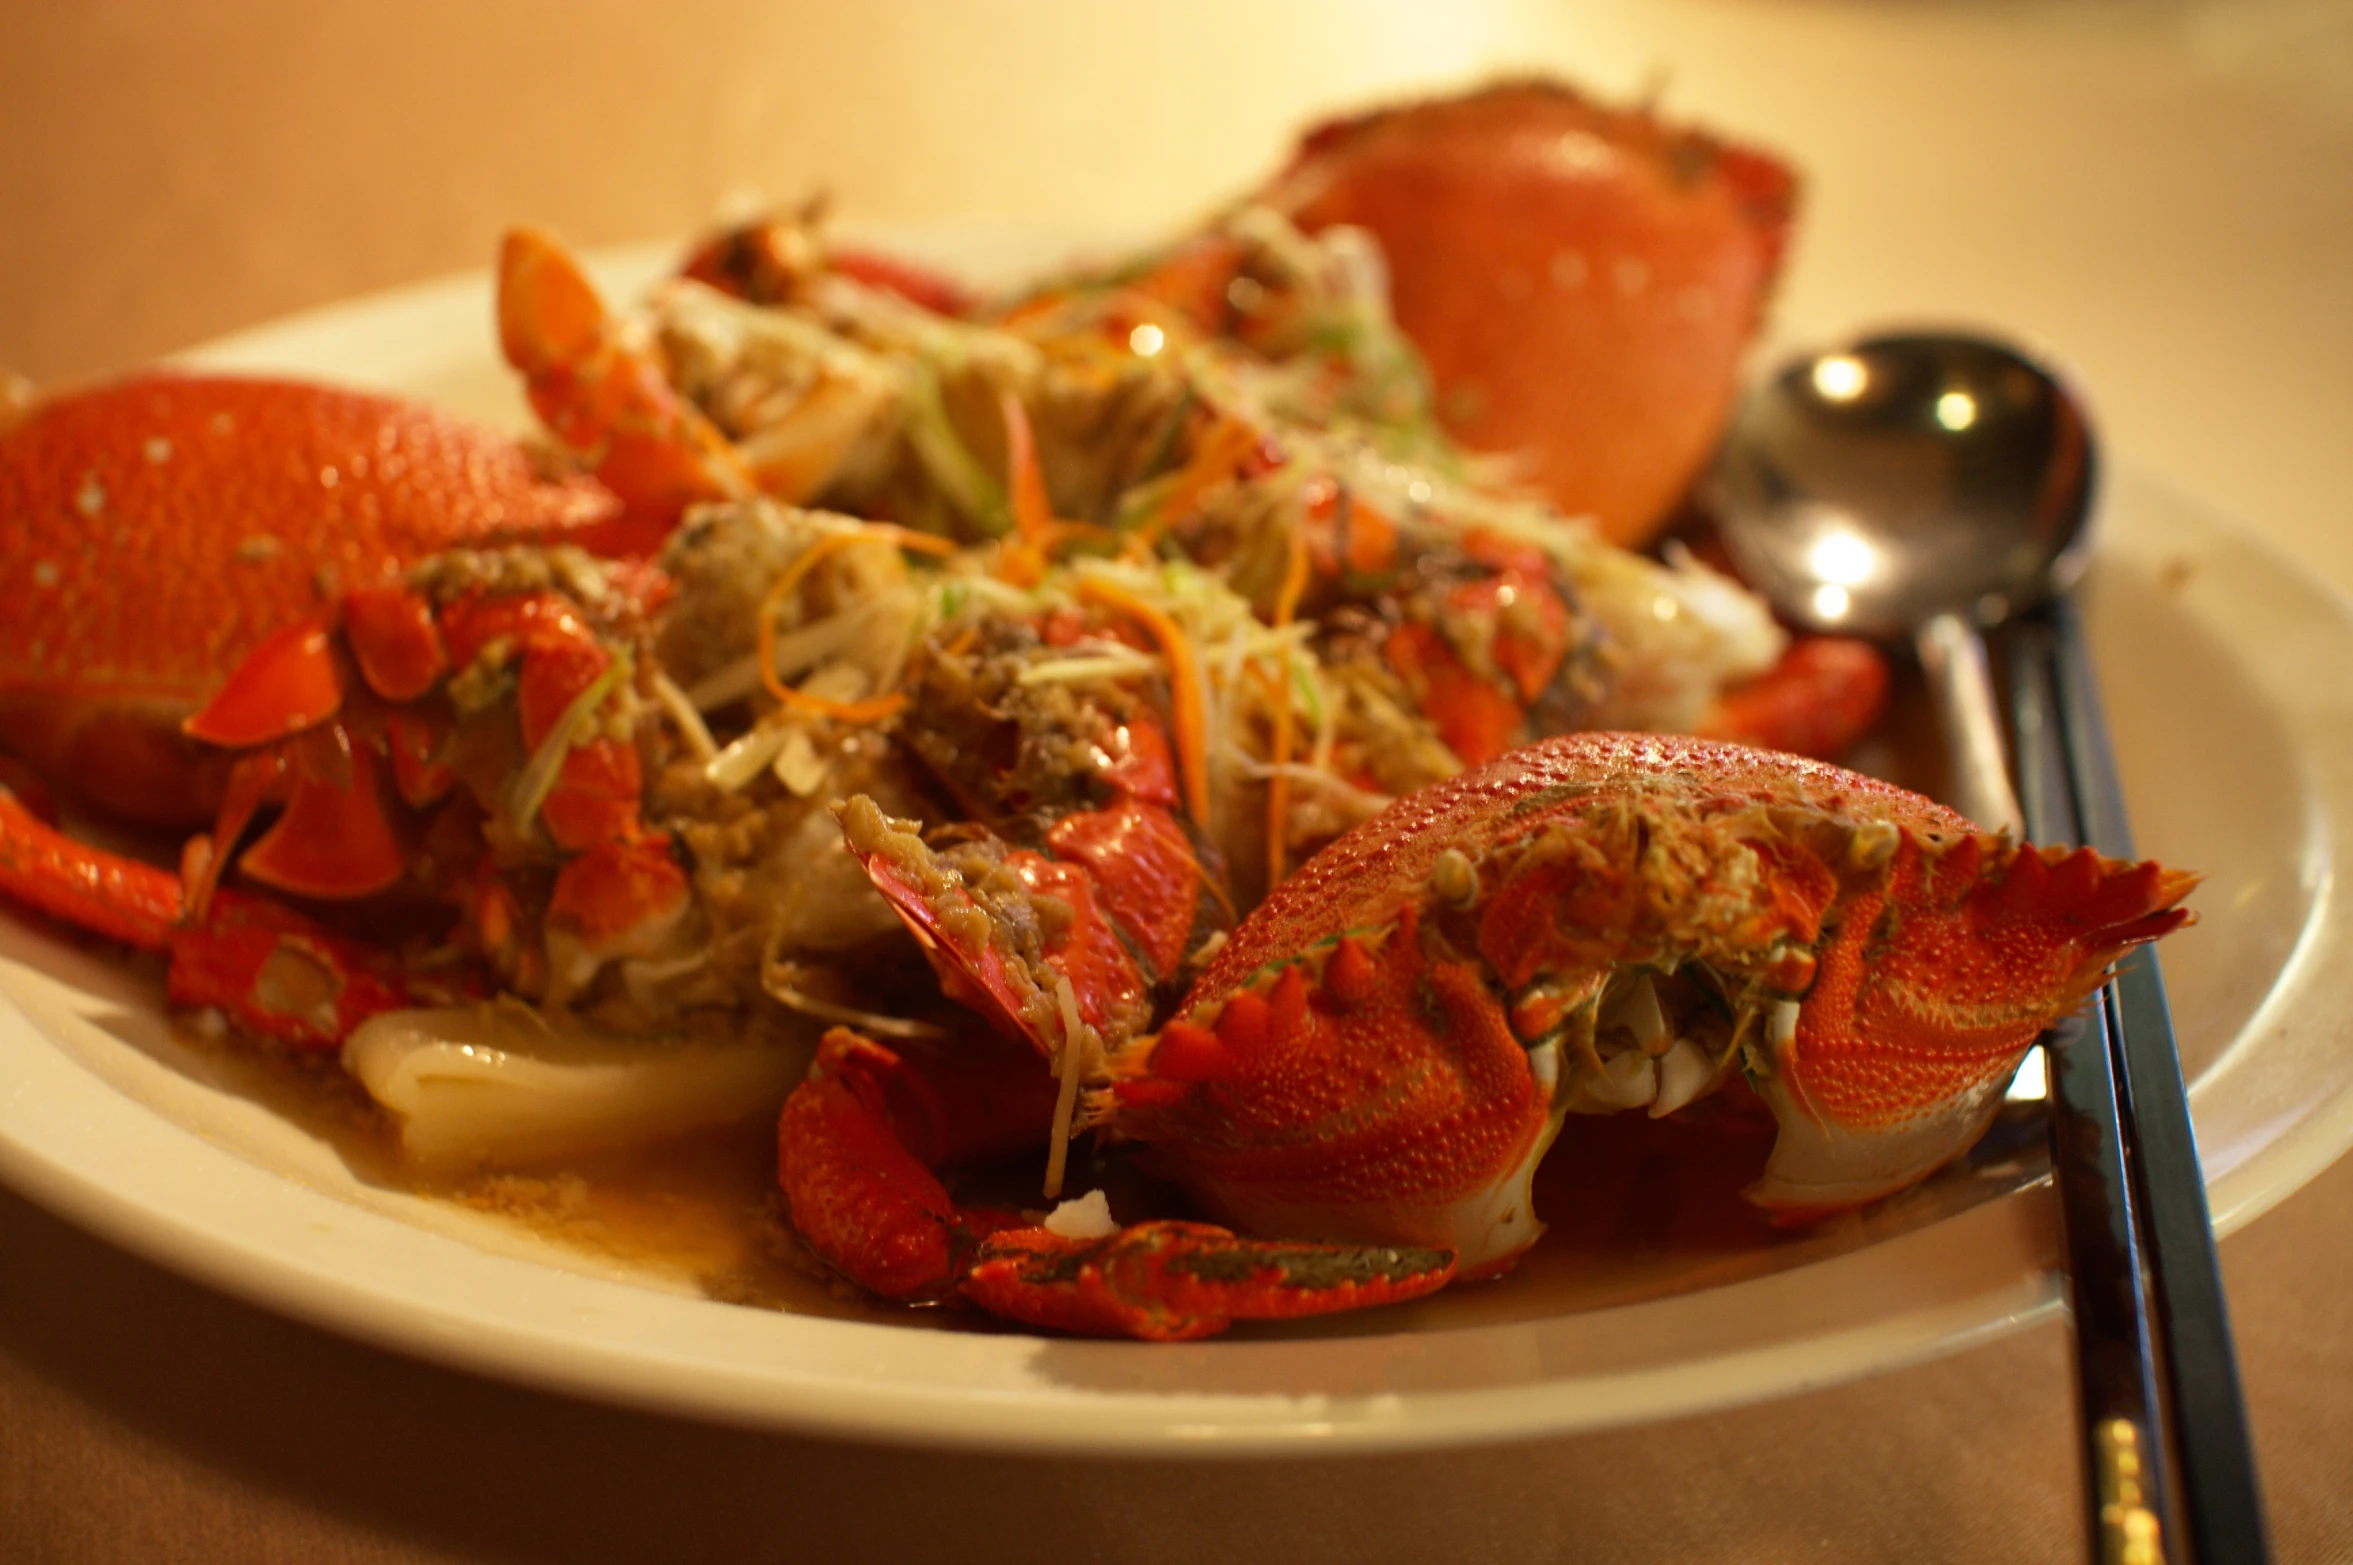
[{"x": 858, "y": 1146}]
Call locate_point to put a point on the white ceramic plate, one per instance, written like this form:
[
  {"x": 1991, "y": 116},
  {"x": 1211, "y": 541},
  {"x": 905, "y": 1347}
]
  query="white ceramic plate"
[{"x": 2234, "y": 759}]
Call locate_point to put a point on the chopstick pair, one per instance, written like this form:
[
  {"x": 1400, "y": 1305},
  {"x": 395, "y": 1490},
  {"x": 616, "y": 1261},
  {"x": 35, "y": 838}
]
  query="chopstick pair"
[{"x": 2164, "y": 1429}]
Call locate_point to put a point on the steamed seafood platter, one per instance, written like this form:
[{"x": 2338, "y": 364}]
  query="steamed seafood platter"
[{"x": 1170, "y": 788}]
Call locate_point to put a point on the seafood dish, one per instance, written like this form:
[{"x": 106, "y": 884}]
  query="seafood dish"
[{"x": 1232, "y": 732}]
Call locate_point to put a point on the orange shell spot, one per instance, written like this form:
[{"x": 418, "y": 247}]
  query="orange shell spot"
[
  {"x": 1241, "y": 1026},
  {"x": 1349, "y": 975}
]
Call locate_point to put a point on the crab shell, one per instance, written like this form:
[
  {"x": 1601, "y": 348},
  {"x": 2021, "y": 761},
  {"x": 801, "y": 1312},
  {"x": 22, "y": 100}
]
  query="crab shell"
[
  {"x": 154, "y": 532},
  {"x": 1385, "y": 1049},
  {"x": 1581, "y": 279}
]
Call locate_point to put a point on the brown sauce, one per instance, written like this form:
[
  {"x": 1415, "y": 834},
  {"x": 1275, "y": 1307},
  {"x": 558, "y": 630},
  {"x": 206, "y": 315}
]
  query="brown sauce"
[
  {"x": 1637, "y": 1208},
  {"x": 700, "y": 1209}
]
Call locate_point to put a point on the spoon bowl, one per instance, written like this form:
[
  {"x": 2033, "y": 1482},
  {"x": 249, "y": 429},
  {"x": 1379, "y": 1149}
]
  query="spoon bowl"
[
  {"x": 1914, "y": 485},
  {"x": 1914, "y": 475}
]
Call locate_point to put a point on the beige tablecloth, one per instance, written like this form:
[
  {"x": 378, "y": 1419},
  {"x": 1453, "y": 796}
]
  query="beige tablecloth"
[{"x": 2163, "y": 190}]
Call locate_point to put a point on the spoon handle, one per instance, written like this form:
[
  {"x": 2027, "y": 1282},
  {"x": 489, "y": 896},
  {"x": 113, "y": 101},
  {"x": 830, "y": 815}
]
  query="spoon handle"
[{"x": 1952, "y": 654}]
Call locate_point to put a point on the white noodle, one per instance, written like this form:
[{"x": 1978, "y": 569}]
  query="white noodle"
[
  {"x": 689, "y": 722},
  {"x": 1090, "y": 666},
  {"x": 783, "y": 993},
  {"x": 500, "y": 1085},
  {"x": 747, "y": 757}
]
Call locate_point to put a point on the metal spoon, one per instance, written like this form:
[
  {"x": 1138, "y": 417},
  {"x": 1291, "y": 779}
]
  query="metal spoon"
[
  {"x": 1914, "y": 485},
  {"x": 1933, "y": 486}
]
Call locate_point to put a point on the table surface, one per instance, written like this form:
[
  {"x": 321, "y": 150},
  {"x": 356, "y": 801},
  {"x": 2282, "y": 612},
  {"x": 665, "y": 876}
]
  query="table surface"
[{"x": 2160, "y": 191}]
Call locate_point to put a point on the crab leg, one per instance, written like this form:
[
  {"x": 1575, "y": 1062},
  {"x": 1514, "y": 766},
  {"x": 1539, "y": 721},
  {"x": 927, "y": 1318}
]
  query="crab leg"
[
  {"x": 601, "y": 395},
  {"x": 273, "y": 971},
  {"x": 858, "y": 1146},
  {"x": 1175, "y": 1281},
  {"x": 769, "y": 259},
  {"x": 1824, "y": 694},
  {"x": 860, "y": 1139}
]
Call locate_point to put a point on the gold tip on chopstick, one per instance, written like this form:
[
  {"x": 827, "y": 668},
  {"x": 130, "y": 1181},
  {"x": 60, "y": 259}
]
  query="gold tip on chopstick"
[{"x": 2129, "y": 1533}]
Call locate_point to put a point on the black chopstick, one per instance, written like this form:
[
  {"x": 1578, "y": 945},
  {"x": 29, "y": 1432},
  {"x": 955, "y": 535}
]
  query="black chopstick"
[
  {"x": 2124, "y": 1453},
  {"x": 2221, "y": 1499}
]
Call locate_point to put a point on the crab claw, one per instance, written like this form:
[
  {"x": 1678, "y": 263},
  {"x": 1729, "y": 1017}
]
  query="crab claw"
[
  {"x": 860, "y": 1139},
  {"x": 1610, "y": 921}
]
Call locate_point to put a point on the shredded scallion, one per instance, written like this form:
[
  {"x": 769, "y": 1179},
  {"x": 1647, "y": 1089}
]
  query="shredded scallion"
[{"x": 538, "y": 777}]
